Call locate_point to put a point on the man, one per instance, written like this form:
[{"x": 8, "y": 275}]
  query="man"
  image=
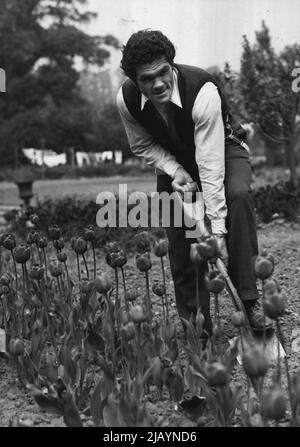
[{"x": 176, "y": 117}]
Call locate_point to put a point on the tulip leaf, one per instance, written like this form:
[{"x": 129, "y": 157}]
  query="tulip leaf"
[
  {"x": 111, "y": 412},
  {"x": 95, "y": 341},
  {"x": 70, "y": 411},
  {"x": 46, "y": 402},
  {"x": 51, "y": 371},
  {"x": 97, "y": 403}
]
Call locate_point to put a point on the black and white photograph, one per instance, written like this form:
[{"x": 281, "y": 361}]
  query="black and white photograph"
[{"x": 150, "y": 216}]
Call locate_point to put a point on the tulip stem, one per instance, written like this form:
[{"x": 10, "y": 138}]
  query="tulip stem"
[
  {"x": 264, "y": 313},
  {"x": 217, "y": 311},
  {"x": 242, "y": 341},
  {"x": 26, "y": 276},
  {"x": 69, "y": 282},
  {"x": 124, "y": 285},
  {"x": 117, "y": 305},
  {"x": 86, "y": 267},
  {"x": 45, "y": 260},
  {"x": 94, "y": 258},
  {"x": 59, "y": 288},
  {"x": 39, "y": 253},
  {"x": 148, "y": 297},
  {"x": 164, "y": 281},
  {"x": 289, "y": 382},
  {"x": 138, "y": 330},
  {"x": 278, "y": 353},
  {"x": 78, "y": 266},
  {"x": 15, "y": 267},
  {"x": 197, "y": 287}
]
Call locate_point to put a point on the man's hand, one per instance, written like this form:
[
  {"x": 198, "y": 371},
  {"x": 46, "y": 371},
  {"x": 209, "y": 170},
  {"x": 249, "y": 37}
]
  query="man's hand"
[
  {"x": 183, "y": 182},
  {"x": 221, "y": 241}
]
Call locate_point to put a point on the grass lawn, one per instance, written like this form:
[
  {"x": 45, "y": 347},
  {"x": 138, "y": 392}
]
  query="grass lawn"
[{"x": 82, "y": 187}]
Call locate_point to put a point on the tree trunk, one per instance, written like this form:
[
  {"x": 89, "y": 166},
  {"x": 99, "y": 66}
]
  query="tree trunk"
[
  {"x": 292, "y": 162},
  {"x": 274, "y": 152}
]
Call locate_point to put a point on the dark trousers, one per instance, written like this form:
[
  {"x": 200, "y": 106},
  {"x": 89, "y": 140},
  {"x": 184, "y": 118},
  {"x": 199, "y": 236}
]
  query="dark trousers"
[{"x": 241, "y": 240}]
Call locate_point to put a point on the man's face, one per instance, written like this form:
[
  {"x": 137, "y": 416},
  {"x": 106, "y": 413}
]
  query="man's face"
[{"x": 155, "y": 80}]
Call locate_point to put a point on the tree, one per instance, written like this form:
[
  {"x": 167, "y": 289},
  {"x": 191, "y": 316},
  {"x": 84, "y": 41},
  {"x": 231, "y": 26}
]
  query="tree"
[
  {"x": 266, "y": 85},
  {"x": 40, "y": 45}
]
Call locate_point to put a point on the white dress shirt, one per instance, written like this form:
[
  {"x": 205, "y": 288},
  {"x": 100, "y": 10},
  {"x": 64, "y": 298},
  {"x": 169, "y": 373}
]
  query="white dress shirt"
[{"x": 209, "y": 143}]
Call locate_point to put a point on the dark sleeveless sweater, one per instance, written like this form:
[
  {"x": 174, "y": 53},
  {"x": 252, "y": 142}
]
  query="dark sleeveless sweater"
[{"x": 178, "y": 137}]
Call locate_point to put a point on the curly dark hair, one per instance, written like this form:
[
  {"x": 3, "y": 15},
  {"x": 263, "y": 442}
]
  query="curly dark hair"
[{"x": 144, "y": 47}]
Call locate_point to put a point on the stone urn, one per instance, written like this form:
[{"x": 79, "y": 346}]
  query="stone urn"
[{"x": 24, "y": 179}]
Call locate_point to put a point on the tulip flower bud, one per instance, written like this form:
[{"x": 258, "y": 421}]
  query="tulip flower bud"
[
  {"x": 4, "y": 279},
  {"x": 16, "y": 347},
  {"x": 131, "y": 295},
  {"x": 216, "y": 374},
  {"x": 2, "y": 237},
  {"x": 103, "y": 283},
  {"x": 55, "y": 268},
  {"x": 73, "y": 242},
  {"x": 36, "y": 236},
  {"x": 142, "y": 242},
  {"x": 264, "y": 266},
  {"x": 209, "y": 248},
  {"x": 120, "y": 258},
  {"x": 143, "y": 262},
  {"x": 256, "y": 420},
  {"x": 273, "y": 404},
  {"x": 157, "y": 370},
  {"x": 271, "y": 286},
  {"x": 89, "y": 233},
  {"x": 80, "y": 246},
  {"x": 34, "y": 218},
  {"x": 275, "y": 305},
  {"x": 112, "y": 247},
  {"x": 9, "y": 242},
  {"x": 194, "y": 253},
  {"x": 58, "y": 244},
  {"x": 22, "y": 254},
  {"x": 137, "y": 314},
  {"x": 199, "y": 321},
  {"x": 238, "y": 319},
  {"x": 217, "y": 331},
  {"x": 112, "y": 259},
  {"x": 127, "y": 331},
  {"x": 29, "y": 238},
  {"x": 215, "y": 282},
  {"x": 158, "y": 289},
  {"x": 161, "y": 248},
  {"x": 54, "y": 232},
  {"x": 5, "y": 290},
  {"x": 36, "y": 272},
  {"x": 86, "y": 286},
  {"x": 62, "y": 256},
  {"x": 42, "y": 243},
  {"x": 124, "y": 317},
  {"x": 255, "y": 362}
]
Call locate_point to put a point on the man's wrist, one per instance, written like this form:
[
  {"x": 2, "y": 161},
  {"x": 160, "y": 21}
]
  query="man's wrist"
[{"x": 178, "y": 169}]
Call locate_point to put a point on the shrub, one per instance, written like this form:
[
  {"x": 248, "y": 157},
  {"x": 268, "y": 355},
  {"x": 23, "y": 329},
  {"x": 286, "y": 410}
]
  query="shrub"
[{"x": 281, "y": 198}]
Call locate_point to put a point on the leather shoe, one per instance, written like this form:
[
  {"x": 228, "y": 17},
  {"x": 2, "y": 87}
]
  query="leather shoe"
[{"x": 256, "y": 317}]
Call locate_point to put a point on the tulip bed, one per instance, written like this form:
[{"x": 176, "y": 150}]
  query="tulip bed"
[{"x": 93, "y": 338}]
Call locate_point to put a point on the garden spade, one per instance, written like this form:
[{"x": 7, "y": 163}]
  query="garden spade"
[{"x": 194, "y": 213}]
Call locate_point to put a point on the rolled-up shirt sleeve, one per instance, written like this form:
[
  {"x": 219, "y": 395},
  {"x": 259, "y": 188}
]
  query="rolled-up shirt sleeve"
[
  {"x": 142, "y": 144},
  {"x": 210, "y": 154}
]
